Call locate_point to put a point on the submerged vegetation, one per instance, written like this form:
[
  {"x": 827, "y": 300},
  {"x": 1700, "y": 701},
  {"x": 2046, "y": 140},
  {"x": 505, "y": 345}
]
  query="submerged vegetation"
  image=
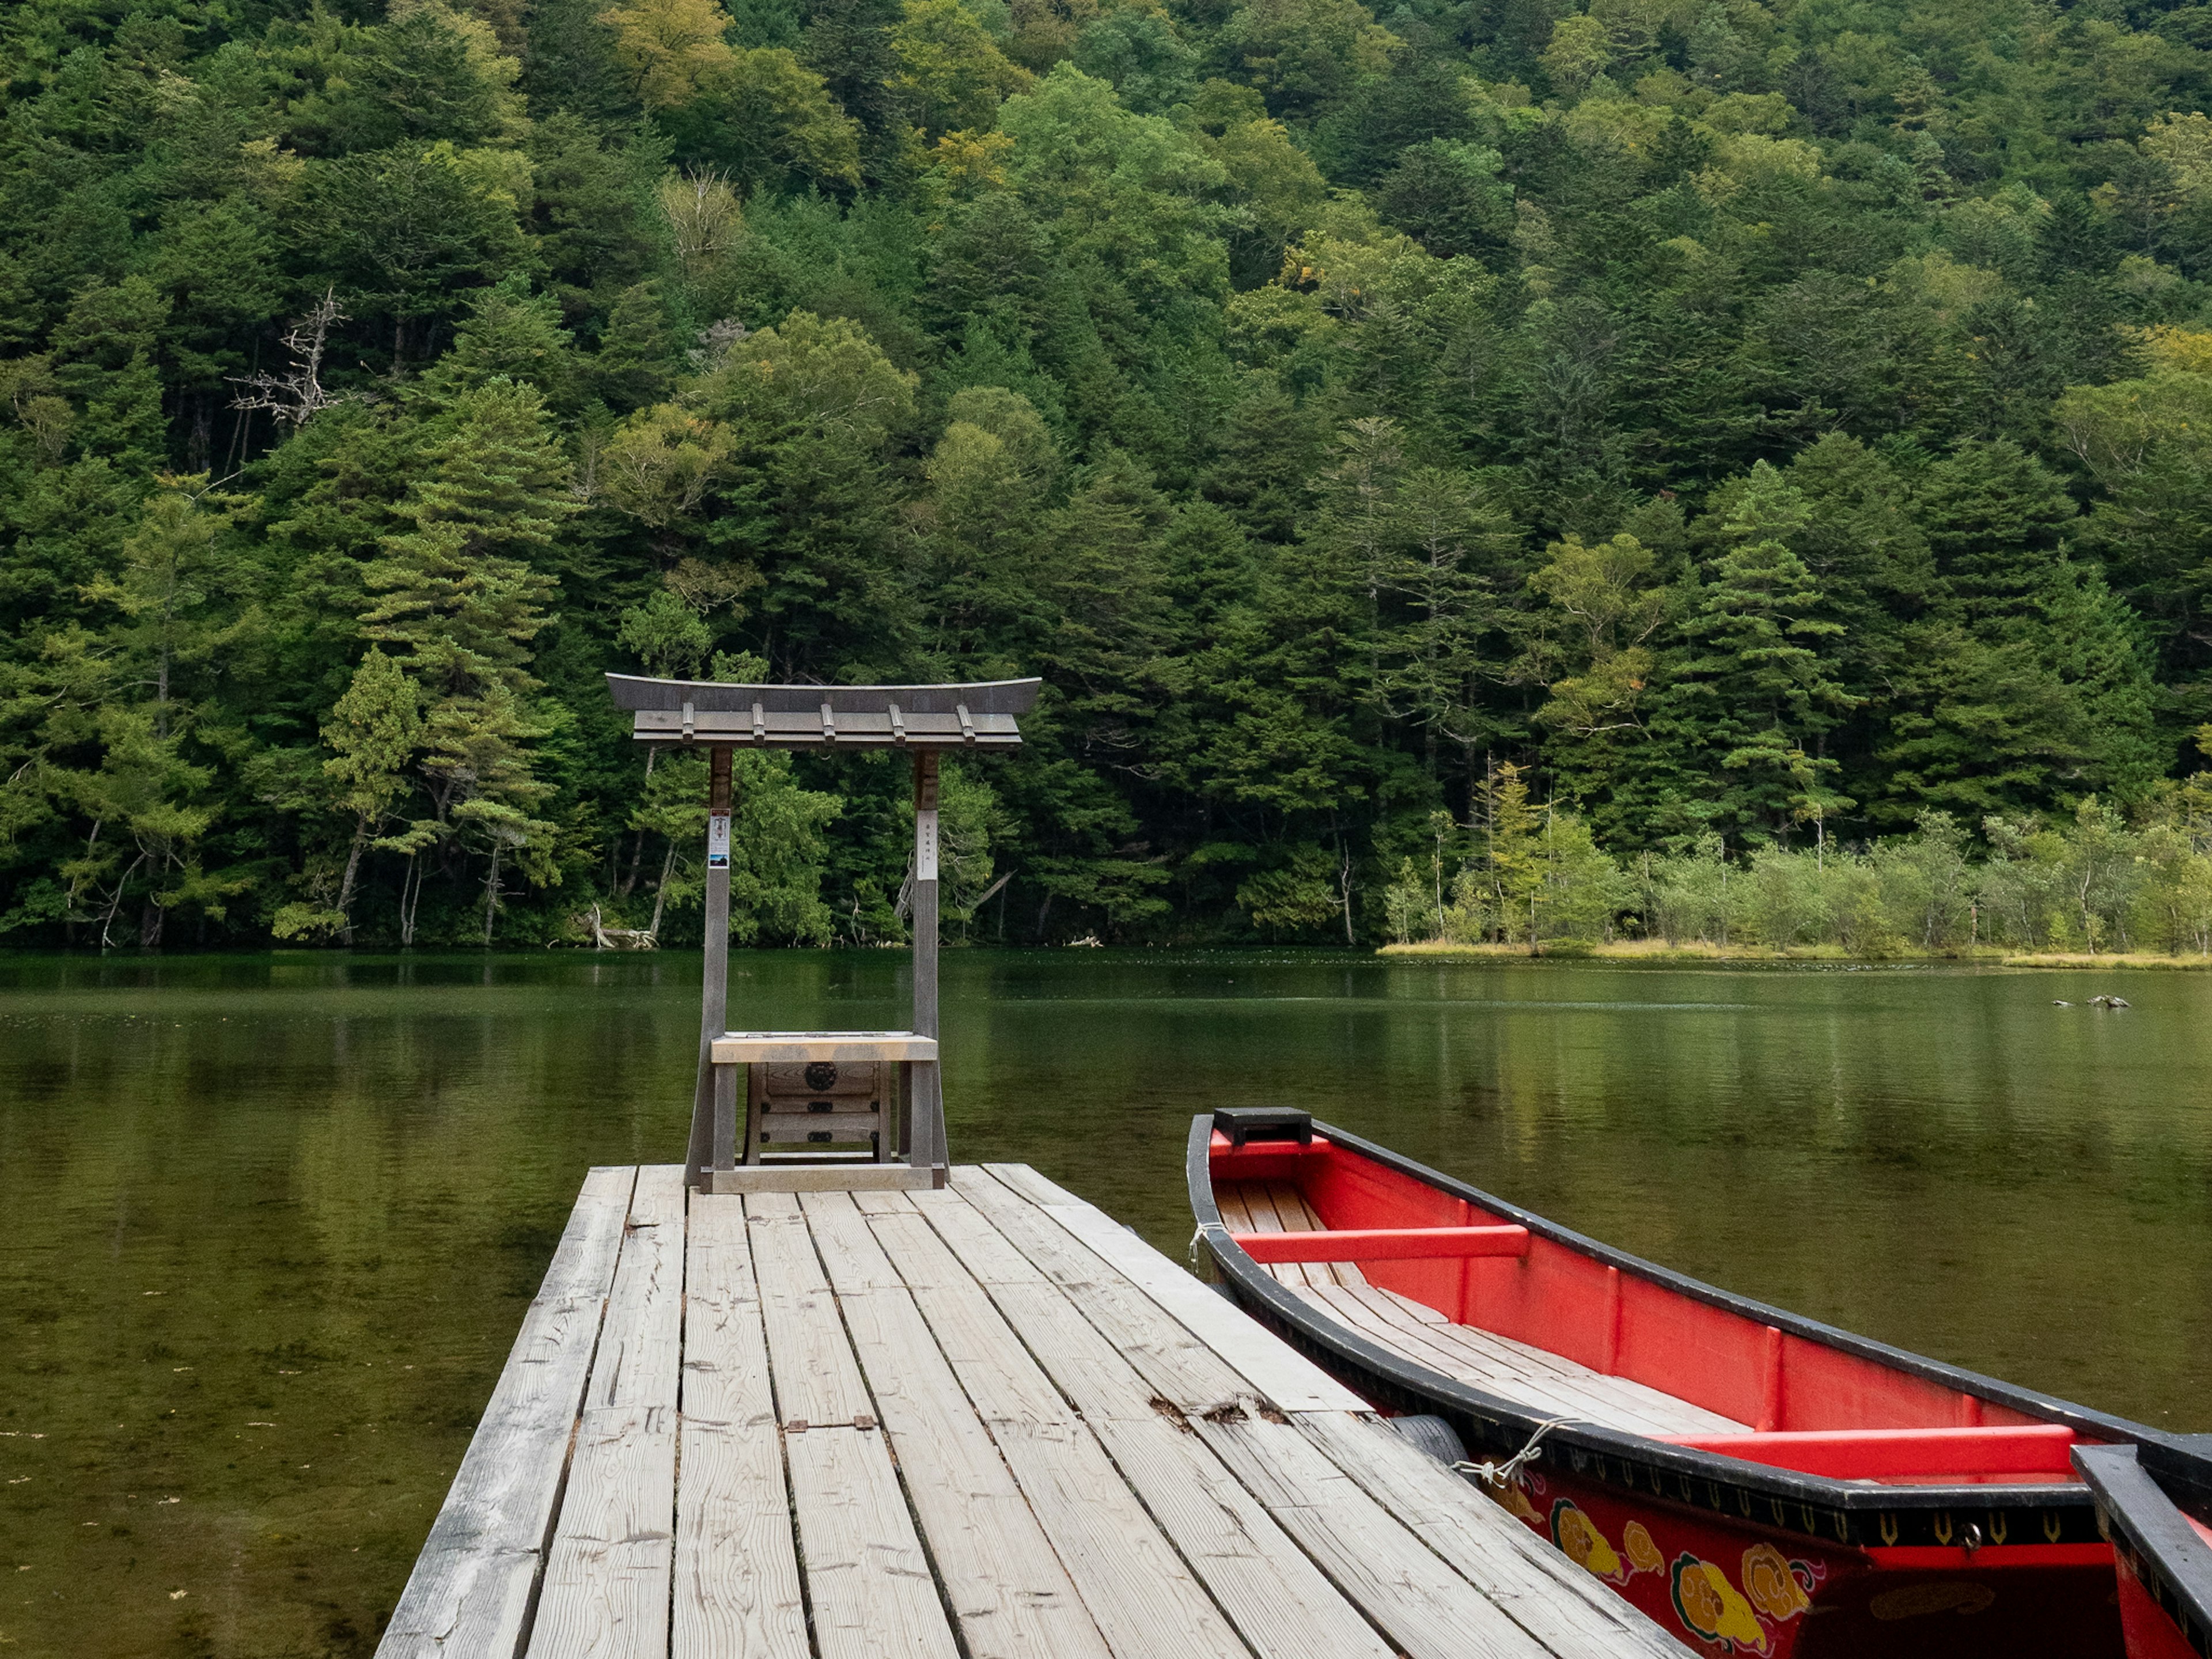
[{"x": 1773, "y": 430}]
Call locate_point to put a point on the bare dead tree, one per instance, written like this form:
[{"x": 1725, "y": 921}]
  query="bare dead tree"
[
  {"x": 299, "y": 395},
  {"x": 702, "y": 211}
]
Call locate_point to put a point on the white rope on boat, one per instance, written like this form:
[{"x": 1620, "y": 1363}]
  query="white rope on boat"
[{"x": 1501, "y": 1475}]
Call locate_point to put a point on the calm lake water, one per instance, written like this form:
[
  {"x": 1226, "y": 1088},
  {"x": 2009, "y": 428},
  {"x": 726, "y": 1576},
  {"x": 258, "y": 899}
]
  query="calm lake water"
[{"x": 267, "y": 1224}]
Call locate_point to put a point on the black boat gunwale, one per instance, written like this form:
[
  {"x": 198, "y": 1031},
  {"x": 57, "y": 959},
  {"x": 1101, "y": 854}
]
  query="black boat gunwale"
[
  {"x": 1503, "y": 1425},
  {"x": 2130, "y": 1485}
]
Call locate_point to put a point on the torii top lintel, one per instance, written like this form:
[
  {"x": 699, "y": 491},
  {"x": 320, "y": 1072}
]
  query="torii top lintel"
[{"x": 978, "y": 716}]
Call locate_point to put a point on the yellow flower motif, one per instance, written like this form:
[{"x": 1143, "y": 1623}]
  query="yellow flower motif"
[{"x": 1773, "y": 1587}]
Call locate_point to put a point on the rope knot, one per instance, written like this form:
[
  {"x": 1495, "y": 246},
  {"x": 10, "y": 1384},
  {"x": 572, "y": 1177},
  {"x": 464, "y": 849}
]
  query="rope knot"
[{"x": 1501, "y": 1475}]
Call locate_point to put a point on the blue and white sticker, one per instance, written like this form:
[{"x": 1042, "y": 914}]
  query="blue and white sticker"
[{"x": 718, "y": 841}]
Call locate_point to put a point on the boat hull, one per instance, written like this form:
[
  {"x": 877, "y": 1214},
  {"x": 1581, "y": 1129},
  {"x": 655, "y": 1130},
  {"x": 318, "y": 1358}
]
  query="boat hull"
[
  {"x": 1724, "y": 1589},
  {"x": 2162, "y": 1549},
  {"x": 2150, "y": 1630},
  {"x": 1731, "y": 1558}
]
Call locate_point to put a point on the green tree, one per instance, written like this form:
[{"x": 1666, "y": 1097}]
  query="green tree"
[
  {"x": 810, "y": 408},
  {"x": 952, "y": 74},
  {"x": 1306, "y": 54},
  {"x": 456, "y": 592},
  {"x": 1748, "y": 699},
  {"x": 374, "y": 734}
]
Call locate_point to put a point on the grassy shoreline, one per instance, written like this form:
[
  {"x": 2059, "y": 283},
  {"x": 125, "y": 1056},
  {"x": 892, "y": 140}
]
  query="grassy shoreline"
[{"x": 1691, "y": 950}]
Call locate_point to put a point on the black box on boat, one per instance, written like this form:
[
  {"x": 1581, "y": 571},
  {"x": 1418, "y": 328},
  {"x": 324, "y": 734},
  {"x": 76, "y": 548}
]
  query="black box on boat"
[{"x": 1243, "y": 1123}]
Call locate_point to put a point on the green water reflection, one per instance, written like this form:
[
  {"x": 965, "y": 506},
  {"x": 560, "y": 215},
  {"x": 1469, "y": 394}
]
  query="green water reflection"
[{"x": 267, "y": 1224}]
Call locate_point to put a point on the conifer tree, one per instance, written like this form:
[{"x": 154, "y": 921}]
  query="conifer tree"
[
  {"x": 636, "y": 363},
  {"x": 1750, "y": 699},
  {"x": 512, "y": 334},
  {"x": 457, "y": 591},
  {"x": 375, "y": 730},
  {"x": 104, "y": 355}
]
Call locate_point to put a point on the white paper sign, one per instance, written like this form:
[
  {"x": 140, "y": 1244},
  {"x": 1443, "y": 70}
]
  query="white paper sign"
[
  {"x": 925, "y": 845},
  {"x": 718, "y": 841}
]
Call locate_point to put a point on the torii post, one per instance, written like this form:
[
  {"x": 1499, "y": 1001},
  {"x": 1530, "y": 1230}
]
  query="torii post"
[{"x": 923, "y": 720}]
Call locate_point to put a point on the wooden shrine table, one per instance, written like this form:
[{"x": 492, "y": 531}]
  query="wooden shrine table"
[{"x": 808, "y": 1092}]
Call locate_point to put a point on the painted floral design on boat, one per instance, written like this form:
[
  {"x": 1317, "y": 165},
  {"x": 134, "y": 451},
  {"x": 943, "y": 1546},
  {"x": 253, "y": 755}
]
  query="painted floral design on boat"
[
  {"x": 1711, "y": 1608},
  {"x": 1778, "y": 1587},
  {"x": 1575, "y": 1534}
]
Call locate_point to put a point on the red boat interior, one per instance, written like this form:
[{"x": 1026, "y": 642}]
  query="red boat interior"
[{"x": 1458, "y": 1289}]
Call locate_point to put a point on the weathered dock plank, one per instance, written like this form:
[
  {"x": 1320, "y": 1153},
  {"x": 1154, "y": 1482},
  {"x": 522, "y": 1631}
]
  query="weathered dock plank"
[
  {"x": 471, "y": 1588},
  {"x": 1553, "y": 1599},
  {"x": 1008, "y": 1590},
  {"x": 1275, "y": 1598},
  {"x": 606, "y": 1577},
  {"x": 817, "y": 1381},
  {"x": 1145, "y": 1598},
  {"x": 737, "y": 1586},
  {"x": 1428, "y": 1610},
  {"x": 865, "y": 1572},
  {"x": 980, "y": 1422},
  {"x": 606, "y": 1584},
  {"x": 1281, "y": 1376},
  {"x": 868, "y": 1579}
]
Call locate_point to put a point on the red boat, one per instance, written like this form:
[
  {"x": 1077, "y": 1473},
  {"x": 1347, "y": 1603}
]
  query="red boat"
[
  {"x": 2154, "y": 1501},
  {"x": 1757, "y": 1482}
]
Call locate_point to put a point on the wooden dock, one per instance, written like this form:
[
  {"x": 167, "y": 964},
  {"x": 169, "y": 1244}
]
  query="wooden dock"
[{"x": 983, "y": 1421}]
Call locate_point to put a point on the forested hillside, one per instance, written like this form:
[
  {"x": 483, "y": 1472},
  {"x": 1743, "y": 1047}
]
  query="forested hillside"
[{"x": 1743, "y": 426}]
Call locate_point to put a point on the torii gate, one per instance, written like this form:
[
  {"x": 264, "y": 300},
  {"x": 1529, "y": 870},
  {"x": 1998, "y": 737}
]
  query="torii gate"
[{"x": 811, "y": 1090}]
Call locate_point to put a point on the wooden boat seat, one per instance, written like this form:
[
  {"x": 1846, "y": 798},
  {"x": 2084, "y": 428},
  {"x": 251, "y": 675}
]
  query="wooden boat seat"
[
  {"x": 1383, "y": 1243},
  {"x": 1543, "y": 1382}
]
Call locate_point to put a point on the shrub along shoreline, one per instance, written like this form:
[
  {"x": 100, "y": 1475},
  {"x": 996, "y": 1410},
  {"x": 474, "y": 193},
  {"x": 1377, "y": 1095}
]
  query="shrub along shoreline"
[
  {"x": 2095, "y": 889},
  {"x": 1659, "y": 952}
]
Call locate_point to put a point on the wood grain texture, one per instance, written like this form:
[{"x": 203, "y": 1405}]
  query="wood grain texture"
[
  {"x": 1003, "y": 1382},
  {"x": 1028, "y": 1184},
  {"x": 1144, "y": 1598},
  {"x": 606, "y": 1584},
  {"x": 979, "y": 1423},
  {"x": 1282, "y": 1604},
  {"x": 1428, "y": 1610},
  {"x": 1271, "y": 1370},
  {"x": 1547, "y": 1383},
  {"x": 1264, "y": 1216},
  {"x": 470, "y": 1587},
  {"x": 605, "y": 1593},
  {"x": 1271, "y": 1594},
  {"x": 737, "y": 1590},
  {"x": 840, "y": 1048},
  {"x": 817, "y": 1178},
  {"x": 879, "y": 1202},
  {"x": 1247, "y": 1207},
  {"x": 817, "y": 1381},
  {"x": 1556, "y": 1601},
  {"x": 640, "y": 1349},
  {"x": 866, "y": 1577},
  {"x": 1012, "y": 1243},
  {"x": 1007, "y": 1590},
  {"x": 1141, "y": 1590}
]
